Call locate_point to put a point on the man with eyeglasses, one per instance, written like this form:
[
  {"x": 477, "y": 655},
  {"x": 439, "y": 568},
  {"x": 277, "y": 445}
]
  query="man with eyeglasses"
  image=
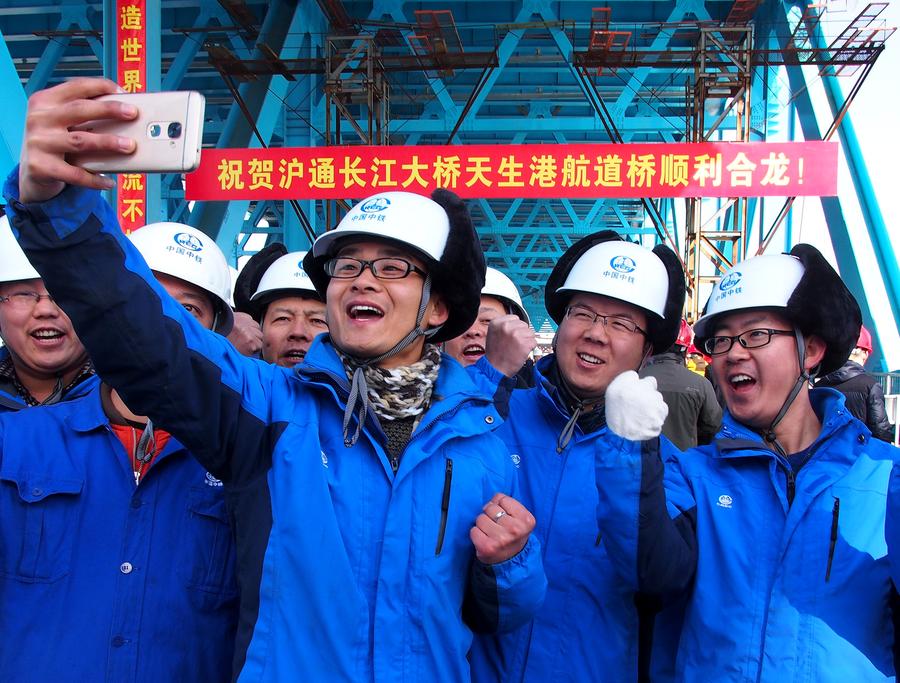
[
  {"x": 114, "y": 542},
  {"x": 373, "y": 507},
  {"x": 42, "y": 361},
  {"x": 616, "y": 303},
  {"x": 773, "y": 536}
]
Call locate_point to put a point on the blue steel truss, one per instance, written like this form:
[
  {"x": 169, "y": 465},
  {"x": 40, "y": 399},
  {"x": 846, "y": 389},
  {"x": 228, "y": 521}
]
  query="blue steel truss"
[{"x": 527, "y": 88}]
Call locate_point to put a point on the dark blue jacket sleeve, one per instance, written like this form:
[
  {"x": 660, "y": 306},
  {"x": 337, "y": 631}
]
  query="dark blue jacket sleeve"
[
  {"x": 188, "y": 380},
  {"x": 647, "y": 522}
]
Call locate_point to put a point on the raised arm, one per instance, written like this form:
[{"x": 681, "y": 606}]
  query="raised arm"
[{"x": 190, "y": 381}]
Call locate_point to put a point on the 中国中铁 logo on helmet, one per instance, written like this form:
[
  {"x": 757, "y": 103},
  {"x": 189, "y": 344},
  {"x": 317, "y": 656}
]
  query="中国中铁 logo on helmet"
[
  {"x": 623, "y": 264},
  {"x": 730, "y": 280},
  {"x": 375, "y": 205},
  {"x": 188, "y": 241}
]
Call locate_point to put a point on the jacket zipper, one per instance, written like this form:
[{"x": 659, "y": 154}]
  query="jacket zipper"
[
  {"x": 791, "y": 475},
  {"x": 445, "y": 506},
  {"x": 791, "y": 485},
  {"x": 835, "y": 514}
]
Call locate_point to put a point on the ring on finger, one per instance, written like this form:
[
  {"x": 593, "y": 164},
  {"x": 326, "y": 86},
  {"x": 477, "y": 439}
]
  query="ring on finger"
[{"x": 500, "y": 515}]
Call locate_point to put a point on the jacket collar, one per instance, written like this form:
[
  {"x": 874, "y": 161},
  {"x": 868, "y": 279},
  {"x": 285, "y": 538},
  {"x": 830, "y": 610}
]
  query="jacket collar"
[
  {"x": 738, "y": 440},
  {"x": 554, "y": 399},
  {"x": 85, "y": 414},
  {"x": 454, "y": 391},
  {"x": 666, "y": 358}
]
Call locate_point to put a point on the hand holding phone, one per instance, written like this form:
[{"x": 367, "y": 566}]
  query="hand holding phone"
[
  {"x": 168, "y": 134},
  {"x": 44, "y": 169}
]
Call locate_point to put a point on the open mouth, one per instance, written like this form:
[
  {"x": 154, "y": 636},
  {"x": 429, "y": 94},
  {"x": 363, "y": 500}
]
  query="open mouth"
[
  {"x": 364, "y": 312},
  {"x": 741, "y": 382},
  {"x": 589, "y": 359},
  {"x": 295, "y": 355},
  {"x": 47, "y": 335},
  {"x": 474, "y": 351}
]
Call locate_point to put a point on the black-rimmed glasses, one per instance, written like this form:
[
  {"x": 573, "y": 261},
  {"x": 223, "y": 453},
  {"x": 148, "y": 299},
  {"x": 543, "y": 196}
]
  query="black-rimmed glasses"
[
  {"x": 388, "y": 268},
  {"x": 585, "y": 317},
  {"x": 751, "y": 339},
  {"x": 24, "y": 300}
]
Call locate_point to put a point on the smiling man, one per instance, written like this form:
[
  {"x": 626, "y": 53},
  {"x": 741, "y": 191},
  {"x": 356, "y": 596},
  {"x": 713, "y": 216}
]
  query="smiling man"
[
  {"x": 499, "y": 297},
  {"x": 616, "y": 303},
  {"x": 374, "y": 509},
  {"x": 43, "y": 361},
  {"x": 128, "y": 539},
  {"x": 774, "y": 534}
]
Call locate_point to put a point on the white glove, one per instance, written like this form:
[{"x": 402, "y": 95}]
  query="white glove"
[{"x": 635, "y": 410}]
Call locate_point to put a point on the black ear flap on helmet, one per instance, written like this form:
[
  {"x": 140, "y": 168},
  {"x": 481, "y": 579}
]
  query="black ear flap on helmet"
[
  {"x": 459, "y": 276},
  {"x": 248, "y": 281},
  {"x": 663, "y": 333},
  {"x": 555, "y": 302},
  {"x": 822, "y": 305}
]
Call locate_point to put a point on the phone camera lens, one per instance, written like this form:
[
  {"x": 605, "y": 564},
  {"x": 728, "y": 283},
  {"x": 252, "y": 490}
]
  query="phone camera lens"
[
  {"x": 155, "y": 130},
  {"x": 174, "y": 130}
]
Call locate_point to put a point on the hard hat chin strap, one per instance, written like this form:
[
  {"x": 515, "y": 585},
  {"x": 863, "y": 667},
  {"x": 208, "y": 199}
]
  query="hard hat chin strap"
[
  {"x": 358, "y": 399},
  {"x": 804, "y": 378}
]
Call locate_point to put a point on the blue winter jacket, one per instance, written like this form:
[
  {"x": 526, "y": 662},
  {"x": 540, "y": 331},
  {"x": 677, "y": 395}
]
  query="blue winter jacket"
[
  {"x": 892, "y": 526},
  {"x": 347, "y": 571},
  {"x": 587, "y": 629},
  {"x": 788, "y": 572},
  {"x": 100, "y": 579},
  {"x": 10, "y": 401}
]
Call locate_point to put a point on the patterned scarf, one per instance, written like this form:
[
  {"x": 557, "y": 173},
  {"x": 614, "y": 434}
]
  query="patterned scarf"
[
  {"x": 8, "y": 371},
  {"x": 399, "y": 393}
]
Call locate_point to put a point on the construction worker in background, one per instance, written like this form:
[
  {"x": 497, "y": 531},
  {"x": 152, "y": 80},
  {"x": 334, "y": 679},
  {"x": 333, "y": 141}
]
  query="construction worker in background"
[
  {"x": 501, "y": 304},
  {"x": 694, "y": 412},
  {"x": 863, "y": 394},
  {"x": 130, "y": 569},
  {"x": 288, "y": 308},
  {"x": 42, "y": 361},
  {"x": 774, "y": 534},
  {"x": 353, "y": 482},
  {"x": 616, "y": 303}
]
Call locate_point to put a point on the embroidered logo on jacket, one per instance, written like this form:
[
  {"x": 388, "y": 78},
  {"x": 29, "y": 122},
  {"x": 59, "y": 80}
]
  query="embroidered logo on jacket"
[
  {"x": 324, "y": 459},
  {"x": 210, "y": 480},
  {"x": 516, "y": 458},
  {"x": 724, "y": 501}
]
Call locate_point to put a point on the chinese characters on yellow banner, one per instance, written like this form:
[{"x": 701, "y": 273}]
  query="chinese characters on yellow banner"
[
  {"x": 551, "y": 171},
  {"x": 131, "y": 62}
]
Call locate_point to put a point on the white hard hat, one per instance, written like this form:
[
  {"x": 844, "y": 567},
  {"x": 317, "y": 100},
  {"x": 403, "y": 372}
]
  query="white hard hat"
[
  {"x": 621, "y": 270},
  {"x": 189, "y": 254},
  {"x": 411, "y": 219},
  {"x": 766, "y": 281},
  {"x": 285, "y": 275},
  {"x": 14, "y": 265},
  {"x": 499, "y": 286},
  {"x": 439, "y": 229}
]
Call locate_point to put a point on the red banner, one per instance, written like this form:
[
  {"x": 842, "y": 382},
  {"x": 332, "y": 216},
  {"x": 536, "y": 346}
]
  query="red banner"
[
  {"x": 131, "y": 74},
  {"x": 587, "y": 171}
]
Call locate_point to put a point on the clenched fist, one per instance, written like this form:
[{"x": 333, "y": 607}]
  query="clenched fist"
[
  {"x": 509, "y": 341},
  {"x": 501, "y": 530}
]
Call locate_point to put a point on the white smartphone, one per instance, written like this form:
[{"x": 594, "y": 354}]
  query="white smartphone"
[{"x": 168, "y": 131}]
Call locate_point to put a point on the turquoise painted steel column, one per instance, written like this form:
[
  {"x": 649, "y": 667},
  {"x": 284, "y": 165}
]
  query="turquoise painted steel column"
[{"x": 12, "y": 113}]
